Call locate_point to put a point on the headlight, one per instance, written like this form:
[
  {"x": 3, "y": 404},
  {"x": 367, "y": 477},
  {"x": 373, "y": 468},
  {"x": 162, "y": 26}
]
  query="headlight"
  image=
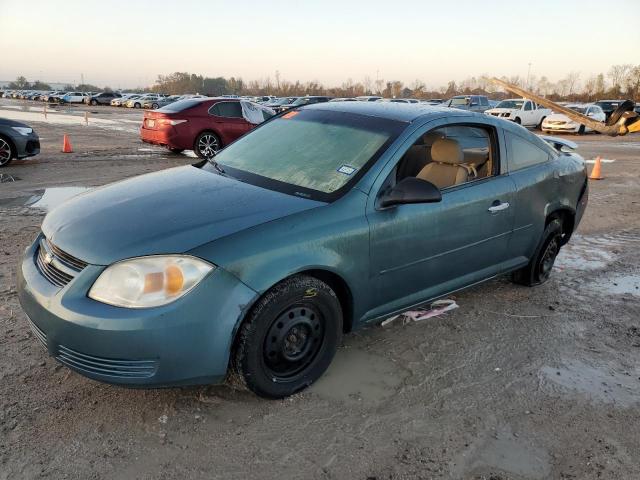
[
  {"x": 149, "y": 281},
  {"x": 23, "y": 130}
]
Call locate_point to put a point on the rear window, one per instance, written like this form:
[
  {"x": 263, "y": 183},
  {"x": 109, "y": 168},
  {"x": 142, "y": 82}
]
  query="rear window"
[{"x": 179, "y": 106}]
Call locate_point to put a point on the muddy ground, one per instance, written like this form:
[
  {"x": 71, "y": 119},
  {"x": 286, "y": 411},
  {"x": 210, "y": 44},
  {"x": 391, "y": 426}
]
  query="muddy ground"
[{"x": 517, "y": 383}]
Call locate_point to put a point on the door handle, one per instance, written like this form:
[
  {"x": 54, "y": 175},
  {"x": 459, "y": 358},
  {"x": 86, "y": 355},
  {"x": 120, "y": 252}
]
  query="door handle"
[{"x": 498, "y": 207}]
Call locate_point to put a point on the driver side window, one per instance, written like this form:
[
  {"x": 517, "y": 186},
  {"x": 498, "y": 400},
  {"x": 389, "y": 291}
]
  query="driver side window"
[{"x": 449, "y": 156}]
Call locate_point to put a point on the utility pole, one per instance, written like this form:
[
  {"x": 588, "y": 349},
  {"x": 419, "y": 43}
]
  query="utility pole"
[{"x": 528, "y": 76}]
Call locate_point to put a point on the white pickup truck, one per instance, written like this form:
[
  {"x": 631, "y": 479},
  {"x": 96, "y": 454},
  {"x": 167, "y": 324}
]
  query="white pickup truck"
[{"x": 520, "y": 110}]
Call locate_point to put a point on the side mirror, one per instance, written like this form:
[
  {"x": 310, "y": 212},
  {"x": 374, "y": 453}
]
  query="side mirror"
[{"x": 411, "y": 190}]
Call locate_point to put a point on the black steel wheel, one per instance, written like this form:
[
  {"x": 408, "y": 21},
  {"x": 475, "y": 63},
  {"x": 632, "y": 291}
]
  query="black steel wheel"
[
  {"x": 289, "y": 338},
  {"x": 6, "y": 152},
  {"x": 206, "y": 145},
  {"x": 538, "y": 270},
  {"x": 155, "y": 106}
]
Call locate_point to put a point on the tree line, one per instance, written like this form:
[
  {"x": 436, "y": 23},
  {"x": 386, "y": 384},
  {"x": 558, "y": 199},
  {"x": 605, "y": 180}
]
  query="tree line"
[{"x": 620, "y": 81}]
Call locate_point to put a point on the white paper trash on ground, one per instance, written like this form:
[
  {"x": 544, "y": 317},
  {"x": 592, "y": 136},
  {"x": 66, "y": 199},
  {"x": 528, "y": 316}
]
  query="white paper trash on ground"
[{"x": 438, "y": 307}]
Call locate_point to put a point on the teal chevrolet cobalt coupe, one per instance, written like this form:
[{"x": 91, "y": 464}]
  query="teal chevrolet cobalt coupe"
[{"x": 322, "y": 220}]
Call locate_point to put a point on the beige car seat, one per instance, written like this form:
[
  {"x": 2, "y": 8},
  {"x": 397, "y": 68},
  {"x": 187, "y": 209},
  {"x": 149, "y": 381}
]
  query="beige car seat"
[{"x": 448, "y": 167}]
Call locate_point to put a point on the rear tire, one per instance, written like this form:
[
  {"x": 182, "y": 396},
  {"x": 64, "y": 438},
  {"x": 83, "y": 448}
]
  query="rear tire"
[
  {"x": 6, "y": 152},
  {"x": 155, "y": 106},
  {"x": 136, "y": 105},
  {"x": 206, "y": 144},
  {"x": 581, "y": 130},
  {"x": 289, "y": 338},
  {"x": 517, "y": 120},
  {"x": 539, "y": 268}
]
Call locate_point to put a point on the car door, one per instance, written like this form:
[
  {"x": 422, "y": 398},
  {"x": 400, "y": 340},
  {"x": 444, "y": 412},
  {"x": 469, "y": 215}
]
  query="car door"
[
  {"x": 227, "y": 119},
  {"x": 421, "y": 251},
  {"x": 531, "y": 167},
  {"x": 528, "y": 113}
]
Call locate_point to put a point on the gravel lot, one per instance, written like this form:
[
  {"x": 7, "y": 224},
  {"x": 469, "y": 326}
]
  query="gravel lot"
[{"x": 517, "y": 383}]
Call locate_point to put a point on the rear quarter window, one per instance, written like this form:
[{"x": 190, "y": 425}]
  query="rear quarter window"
[{"x": 523, "y": 153}]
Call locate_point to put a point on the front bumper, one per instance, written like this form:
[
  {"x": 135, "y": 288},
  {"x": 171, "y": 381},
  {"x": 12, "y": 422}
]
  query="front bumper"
[
  {"x": 26, "y": 145},
  {"x": 184, "y": 343},
  {"x": 560, "y": 128}
]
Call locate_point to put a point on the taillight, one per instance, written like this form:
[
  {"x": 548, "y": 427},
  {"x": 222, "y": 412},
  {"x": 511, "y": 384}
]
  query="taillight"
[{"x": 170, "y": 121}]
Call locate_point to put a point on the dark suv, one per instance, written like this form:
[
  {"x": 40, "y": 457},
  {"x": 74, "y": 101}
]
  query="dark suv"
[
  {"x": 474, "y": 103},
  {"x": 608, "y": 106},
  {"x": 103, "y": 98}
]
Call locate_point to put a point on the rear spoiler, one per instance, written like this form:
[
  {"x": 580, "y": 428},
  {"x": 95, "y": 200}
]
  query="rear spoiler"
[{"x": 559, "y": 143}]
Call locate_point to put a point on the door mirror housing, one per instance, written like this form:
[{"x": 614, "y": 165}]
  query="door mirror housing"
[{"x": 411, "y": 190}]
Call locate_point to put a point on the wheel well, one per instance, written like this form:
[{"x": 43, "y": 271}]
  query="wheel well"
[
  {"x": 207, "y": 130},
  {"x": 11, "y": 144},
  {"x": 567, "y": 217},
  {"x": 342, "y": 290}
]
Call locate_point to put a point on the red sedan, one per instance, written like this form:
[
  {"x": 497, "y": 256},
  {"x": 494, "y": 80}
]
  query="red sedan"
[{"x": 203, "y": 125}]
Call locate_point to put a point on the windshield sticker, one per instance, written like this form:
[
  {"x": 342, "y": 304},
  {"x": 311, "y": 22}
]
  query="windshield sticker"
[
  {"x": 346, "y": 169},
  {"x": 290, "y": 114}
]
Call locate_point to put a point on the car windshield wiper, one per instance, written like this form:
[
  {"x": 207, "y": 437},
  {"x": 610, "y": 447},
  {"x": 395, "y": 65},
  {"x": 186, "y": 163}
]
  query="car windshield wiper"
[{"x": 216, "y": 165}]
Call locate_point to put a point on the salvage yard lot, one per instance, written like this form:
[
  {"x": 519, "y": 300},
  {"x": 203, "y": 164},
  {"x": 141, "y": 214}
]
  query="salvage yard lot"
[{"x": 517, "y": 383}]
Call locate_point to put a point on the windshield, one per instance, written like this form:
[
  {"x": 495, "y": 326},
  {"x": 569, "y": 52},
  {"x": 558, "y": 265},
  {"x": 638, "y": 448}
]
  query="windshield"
[
  {"x": 310, "y": 153},
  {"x": 517, "y": 104},
  {"x": 578, "y": 109},
  {"x": 459, "y": 100}
]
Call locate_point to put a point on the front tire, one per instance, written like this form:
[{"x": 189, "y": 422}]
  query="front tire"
[
  {"x": 93, "y": 102},
  {"x": 289, "y": 338},
  {"x": 155, "y": 106},
  {"x": 540, "y": 124},
  {"x": 6, "y": 152},
  {"x": 517, "y": 120},
  {"x": 538, "y": 271},
  {"x": 581, "y": 130}
]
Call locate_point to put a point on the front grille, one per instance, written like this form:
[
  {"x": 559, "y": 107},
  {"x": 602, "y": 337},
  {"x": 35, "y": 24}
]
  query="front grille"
[
  {"x": 39, "y": 334},
  {"x": 106, "y": 366},
  {"x": 32, "y": 146},
  {"x": 65, "y": 258},
  {"x": 56, "y": 265}
]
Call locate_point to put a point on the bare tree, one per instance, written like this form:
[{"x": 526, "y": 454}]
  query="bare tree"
[{"x": 617, "y": 74}]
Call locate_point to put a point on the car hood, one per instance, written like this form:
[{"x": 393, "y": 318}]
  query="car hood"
[
  {"x": 5, "y": 122},
  {"x": 500, "y": 110},
  {"x": 172, "y": 211},
  {"x": 558, "y": 117}
]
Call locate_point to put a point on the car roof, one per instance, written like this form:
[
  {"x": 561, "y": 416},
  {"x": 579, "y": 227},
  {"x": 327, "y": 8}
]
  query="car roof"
[{"x": 404, "y": 112}]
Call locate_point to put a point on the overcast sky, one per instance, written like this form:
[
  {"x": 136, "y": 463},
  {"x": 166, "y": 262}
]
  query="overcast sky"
[{"x": 128, "y": 43}]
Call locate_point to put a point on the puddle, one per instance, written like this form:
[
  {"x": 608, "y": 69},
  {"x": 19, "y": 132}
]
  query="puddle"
[
  {"x": 599, "y": 384},
  {"x": 621, "y": 285},
  {"x": 511, "y": 454},
  {"x": 46, "y": 199},
  {"x": 594, "y": 252},
  {"x": 6, "y": 178},
  {"x": 355, "y": 375}
]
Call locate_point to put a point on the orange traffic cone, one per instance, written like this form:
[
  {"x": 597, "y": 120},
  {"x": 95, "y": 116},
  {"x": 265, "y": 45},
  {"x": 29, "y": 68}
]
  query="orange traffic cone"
[
  {"x": 596, "y": 173},
  {"x": 66, "y": 144}
]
